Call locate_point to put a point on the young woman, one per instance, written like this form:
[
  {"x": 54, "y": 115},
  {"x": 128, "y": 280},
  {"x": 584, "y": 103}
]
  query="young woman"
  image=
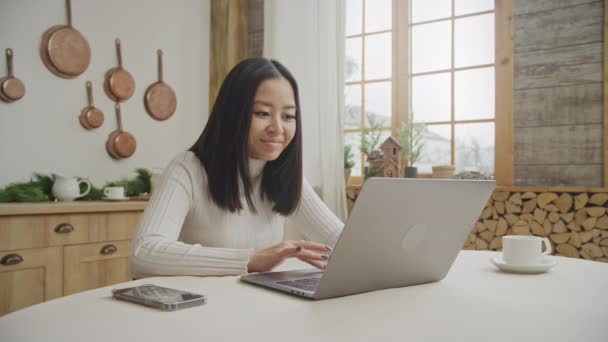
[{"x": 220, "y": 207}]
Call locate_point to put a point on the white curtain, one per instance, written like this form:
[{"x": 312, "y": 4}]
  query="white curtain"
[{"x": 308, "y": 38}]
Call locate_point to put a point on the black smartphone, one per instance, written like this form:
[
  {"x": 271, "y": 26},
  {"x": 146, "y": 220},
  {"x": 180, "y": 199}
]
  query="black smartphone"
[{"x": 162, "y": 298}]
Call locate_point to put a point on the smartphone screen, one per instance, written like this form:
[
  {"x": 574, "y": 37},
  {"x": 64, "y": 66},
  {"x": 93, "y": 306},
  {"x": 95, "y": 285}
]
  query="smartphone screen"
[
  {"x": 161, "y": 297},
  {"x": 161, "y": 294}
]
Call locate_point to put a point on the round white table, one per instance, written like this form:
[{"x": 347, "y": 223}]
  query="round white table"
[{"x": 475, "y": 302}]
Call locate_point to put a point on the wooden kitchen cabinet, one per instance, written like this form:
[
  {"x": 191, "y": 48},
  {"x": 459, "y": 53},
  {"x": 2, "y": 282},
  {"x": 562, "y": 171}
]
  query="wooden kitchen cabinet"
[
  {"x": 54, "y": 249},
  {"x": 30, "y": 276},
  {"x": 94, "y": 265}
]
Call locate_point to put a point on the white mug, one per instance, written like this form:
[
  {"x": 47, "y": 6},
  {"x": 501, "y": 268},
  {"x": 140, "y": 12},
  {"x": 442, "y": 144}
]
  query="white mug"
[
  {"x": 524, "y": 249},
  {"x": 114, "y": 192}
]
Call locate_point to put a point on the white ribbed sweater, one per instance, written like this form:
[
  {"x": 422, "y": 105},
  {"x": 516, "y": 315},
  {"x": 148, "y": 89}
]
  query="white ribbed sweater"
[{"x": 183, "y": 232}]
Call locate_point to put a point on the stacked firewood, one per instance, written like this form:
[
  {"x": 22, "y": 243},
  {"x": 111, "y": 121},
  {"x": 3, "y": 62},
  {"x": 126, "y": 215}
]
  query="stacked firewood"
[{"x": 575, "y": 223}]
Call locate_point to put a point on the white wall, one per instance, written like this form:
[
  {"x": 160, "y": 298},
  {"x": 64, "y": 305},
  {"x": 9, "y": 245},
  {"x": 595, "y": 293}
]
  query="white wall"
[{"x": 41, "y": 132}]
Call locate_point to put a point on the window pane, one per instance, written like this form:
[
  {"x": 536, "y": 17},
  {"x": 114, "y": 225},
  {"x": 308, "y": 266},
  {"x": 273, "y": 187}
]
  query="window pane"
[
  {"x": 354, "y": 140},
  {"x": 352, "y": 102},
  {"x": 378, "y": 56},
  {"x": 354, "y": 17},
  {"x": 431, "y": 97},
  {"x": 474, "y": 94},
  {"x": 423, "y": 10},
  {"x": 436, "y": 150},
  {"x": 353, "y": 56},
  {"x": 471, "y": 6},
  {"x": 431, "y": 47},
  {"x": 475, "y": 147},
  {"x": 378, "y": 15},
  {"x": 474, "y": 40},
  {"x": 378, "y": 102}
]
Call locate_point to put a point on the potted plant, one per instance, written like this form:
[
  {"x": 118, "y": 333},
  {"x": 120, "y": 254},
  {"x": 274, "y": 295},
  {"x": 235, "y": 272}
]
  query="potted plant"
[
  {"x": 411, "y": 138},
  {"x": 348, "y": 163},
  {"x": 370, "y": 141}
]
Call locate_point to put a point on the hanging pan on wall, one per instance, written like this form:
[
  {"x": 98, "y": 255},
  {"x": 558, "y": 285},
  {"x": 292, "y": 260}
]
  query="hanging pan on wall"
[
  {"x": 160, "y": 100},
  {"x": 64, "y": 50},
  {"x": 11, "y": 88},
  {"x": 120, "y": 144},
  {"x": 90, "y": 117},
  {"x": 118, "y": 84}
]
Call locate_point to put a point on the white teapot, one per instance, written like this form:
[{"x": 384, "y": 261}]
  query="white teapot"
[{"x": 68, "y": 188}]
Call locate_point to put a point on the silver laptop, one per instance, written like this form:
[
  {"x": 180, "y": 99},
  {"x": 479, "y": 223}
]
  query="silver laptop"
[{"x": 401, "y": 232}]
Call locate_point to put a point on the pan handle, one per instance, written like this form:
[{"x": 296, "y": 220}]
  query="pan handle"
[
  {"x": 118, "y": 117},
  {"x": 160, "y": 65},
  {"x": 9, "y": 61},
  {"x": 90, "y": 93},
  {"x": 68, "y": 5},
  {"x": 119, "y": 52}
]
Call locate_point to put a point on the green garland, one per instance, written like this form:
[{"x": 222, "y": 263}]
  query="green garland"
[{"x": 39, "y": 188}]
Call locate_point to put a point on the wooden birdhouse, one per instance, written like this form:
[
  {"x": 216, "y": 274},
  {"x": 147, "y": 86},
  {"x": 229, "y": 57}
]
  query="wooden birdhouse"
[
  {"x": 393, "y": 165},
  {"x": 374, "y": 158}
]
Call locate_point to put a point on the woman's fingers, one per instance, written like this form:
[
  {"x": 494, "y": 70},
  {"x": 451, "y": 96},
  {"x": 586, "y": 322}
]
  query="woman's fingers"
[
  {"x": 309, "y": 252},
  {"x": 315, "y": 263},
  {"x": 290, "y": 251},
  {"x": 310, "y": 255},
  {"x": 269, "y": 258},
  {"x": 311, "y": 245}
]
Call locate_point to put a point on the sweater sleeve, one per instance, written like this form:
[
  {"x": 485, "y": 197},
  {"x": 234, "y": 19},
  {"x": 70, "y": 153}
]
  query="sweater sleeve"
[
  {"x": 314, "y": 219},
  {"x": 156, "y": 251}
]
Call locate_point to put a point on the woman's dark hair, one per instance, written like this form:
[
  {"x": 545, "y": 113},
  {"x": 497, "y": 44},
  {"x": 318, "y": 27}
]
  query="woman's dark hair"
[{"x": 223, "y": 146}]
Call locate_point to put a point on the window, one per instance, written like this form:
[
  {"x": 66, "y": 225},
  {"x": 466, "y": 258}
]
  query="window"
[
  {"x": 368, "y": 72},
  {"x": 438, "y": 55}
]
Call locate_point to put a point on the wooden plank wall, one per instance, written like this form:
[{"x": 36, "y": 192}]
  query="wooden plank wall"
[{"x": 558, "y": 98}]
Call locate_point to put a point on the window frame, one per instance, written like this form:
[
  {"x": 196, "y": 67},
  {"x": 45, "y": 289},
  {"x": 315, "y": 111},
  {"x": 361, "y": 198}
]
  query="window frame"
[{"x": 357, "y": 180}]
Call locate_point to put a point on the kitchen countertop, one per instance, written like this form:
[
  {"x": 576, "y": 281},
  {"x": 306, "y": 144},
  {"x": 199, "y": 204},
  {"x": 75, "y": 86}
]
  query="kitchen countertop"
[{"x": 11, "y": 209}]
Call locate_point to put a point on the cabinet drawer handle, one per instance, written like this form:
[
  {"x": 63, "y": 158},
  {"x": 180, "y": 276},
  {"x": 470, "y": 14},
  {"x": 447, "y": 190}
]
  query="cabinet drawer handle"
[
  {"x": 64, "y": 228},
  {"x": 108, "y": 249},
  {"x": 11, "y": 259}
]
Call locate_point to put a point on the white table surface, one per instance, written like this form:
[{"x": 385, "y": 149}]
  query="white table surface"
[{"x": 475, "y": 302}]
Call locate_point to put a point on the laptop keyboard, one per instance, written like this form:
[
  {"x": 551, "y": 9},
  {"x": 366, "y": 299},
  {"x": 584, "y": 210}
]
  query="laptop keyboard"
[{"x": 308, "y": 284}]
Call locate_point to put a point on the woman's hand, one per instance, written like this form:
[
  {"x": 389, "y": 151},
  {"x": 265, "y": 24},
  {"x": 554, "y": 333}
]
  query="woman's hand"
[{"x": 266, "y": 259}]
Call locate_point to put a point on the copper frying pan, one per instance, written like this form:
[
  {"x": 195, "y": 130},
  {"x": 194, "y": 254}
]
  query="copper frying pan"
[
  {"x": 11, "y": 88},
  {"x": 3, "y": 97},
  {"x": 120, "y": 144},
  {"x": 90, "y": 117},
  {"x": 44, "y": 53},
  {"x": 110, "y": 144},
  {"x": 64, "y": 50},
  {"x": 160, "y": 100},
  {"x": 119, "y": 85}
]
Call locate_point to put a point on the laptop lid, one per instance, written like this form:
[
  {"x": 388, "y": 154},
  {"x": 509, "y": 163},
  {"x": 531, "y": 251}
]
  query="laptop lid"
[{"x": 403, "y": 232}]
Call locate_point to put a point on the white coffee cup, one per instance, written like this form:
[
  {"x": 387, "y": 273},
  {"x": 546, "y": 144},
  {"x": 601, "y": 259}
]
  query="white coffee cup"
[
  {"x": 524, "y": 249},
  {"x": 114, "y": 192}
]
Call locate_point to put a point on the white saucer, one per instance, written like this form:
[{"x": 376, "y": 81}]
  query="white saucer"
[
  {"x": 542, "y": 267},
  {"x": 115, "y": 198}
]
